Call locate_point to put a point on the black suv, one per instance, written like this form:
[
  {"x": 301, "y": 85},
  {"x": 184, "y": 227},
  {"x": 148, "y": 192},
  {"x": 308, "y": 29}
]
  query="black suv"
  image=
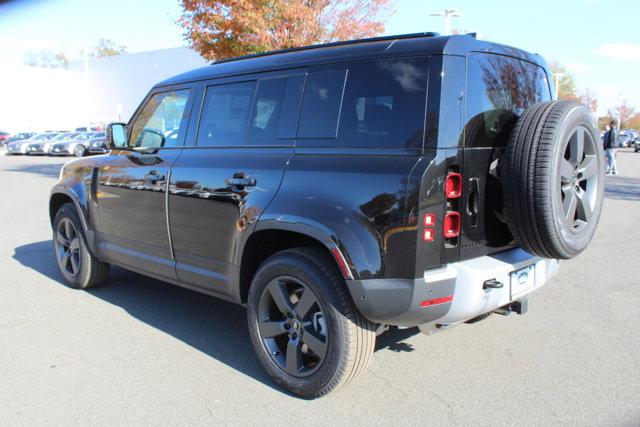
[{"x": 340, "y": 189}]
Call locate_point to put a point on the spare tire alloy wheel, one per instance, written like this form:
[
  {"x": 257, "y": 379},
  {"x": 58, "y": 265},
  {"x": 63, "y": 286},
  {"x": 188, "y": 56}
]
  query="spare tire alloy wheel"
[
  {"x": 553, "y": 179},
  {"x": 292, "y": 326},
  {"x": 579, "y": 179}
]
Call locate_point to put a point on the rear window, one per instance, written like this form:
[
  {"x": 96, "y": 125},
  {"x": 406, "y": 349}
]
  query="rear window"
[
  {"x": 499, "y": 89},
  {"x": 382, "y": 104}
]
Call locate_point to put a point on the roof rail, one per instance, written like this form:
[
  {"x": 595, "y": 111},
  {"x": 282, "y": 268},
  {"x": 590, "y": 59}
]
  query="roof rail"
[{"x": 318, "y": 46}]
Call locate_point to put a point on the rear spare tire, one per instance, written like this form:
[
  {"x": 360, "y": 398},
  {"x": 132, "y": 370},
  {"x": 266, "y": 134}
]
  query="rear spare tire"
[{"x": 553, "y": 179}]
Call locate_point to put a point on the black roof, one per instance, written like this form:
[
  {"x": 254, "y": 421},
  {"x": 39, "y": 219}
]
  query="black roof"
[{"x": 379, "y": 47}]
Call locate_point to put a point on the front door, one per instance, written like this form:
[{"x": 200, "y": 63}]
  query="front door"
[
  {"x": 132, "y": 182},
  {"x": 220, "y": 186}
]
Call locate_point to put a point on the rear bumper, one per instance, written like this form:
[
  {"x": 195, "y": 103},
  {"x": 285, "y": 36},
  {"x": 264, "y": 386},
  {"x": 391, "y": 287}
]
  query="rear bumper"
[{"x": 448, "y": 295}]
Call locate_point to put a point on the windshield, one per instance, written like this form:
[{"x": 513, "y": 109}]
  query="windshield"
[
  {"x": 43, "y": 136},
  {"x": 83, "y": 136}
]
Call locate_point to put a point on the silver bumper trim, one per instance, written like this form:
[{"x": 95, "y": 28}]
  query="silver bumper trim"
[{"x": 470, "y": 299}]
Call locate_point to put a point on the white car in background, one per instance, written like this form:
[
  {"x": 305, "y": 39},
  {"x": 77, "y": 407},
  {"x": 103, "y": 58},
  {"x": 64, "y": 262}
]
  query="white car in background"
[
  {"x": 20, "y": 147},
  {"x": 44, "y": 147},
  {"x": 77, "y": 146}
]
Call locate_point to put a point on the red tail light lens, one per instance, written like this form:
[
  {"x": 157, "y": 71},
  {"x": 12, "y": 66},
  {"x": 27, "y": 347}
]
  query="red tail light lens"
[
  {"x": 429, "y": 234},
  {"x": 429, "y": 220},
  {"x": 453, "y": 185},
  {"x": 452, "y": 225}
]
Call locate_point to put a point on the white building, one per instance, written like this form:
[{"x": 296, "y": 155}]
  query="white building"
[{"x": 46, "y": 99}]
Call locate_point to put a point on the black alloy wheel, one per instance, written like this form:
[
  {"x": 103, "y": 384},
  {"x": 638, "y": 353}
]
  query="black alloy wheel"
[
  {"x": 304, "y": 327},
  {"x": 67, "y": 248},
  {"x": 292, "y": 326},
  {"x": 78, "y": 266}
]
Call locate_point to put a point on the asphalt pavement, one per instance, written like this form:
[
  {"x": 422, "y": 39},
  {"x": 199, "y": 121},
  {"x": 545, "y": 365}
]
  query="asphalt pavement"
[{"x": 139, "y": 351}]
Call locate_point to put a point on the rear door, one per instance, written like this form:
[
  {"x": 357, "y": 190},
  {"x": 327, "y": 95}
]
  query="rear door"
[
  {"x": 222, "y": 182},
  {"x": 498, "y": 90}
]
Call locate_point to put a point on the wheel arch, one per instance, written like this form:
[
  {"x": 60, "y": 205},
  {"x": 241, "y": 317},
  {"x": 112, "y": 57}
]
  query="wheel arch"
[
  {"x": 273, "y": 236},
  {"x": 61, "y": 195}
]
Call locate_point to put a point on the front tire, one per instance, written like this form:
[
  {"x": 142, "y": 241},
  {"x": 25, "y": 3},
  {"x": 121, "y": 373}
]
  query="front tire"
[
  {"x": 79, "y": 151},
  {"x": 77, "y": 265},
  {"x": 305, "y": 329}
]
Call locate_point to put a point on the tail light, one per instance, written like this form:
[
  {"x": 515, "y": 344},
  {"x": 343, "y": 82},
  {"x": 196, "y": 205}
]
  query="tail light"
[
  {"x": 429, "y": 234},
  {"x": 453, "y": 185},
  {"x": 429, "y": 220},
  {"x": 452, "y": 224}
]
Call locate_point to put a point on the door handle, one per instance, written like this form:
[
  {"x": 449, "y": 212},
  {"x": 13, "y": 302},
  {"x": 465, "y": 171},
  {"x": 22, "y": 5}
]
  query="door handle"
[
  {"x": 154, "y": 177},
  {"x": 472, "y": 202},
  {"x": 240, "y": 182}
]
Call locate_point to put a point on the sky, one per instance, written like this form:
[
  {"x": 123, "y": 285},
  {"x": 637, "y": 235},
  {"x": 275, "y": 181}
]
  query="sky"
[{"x": 597, "y": 40}]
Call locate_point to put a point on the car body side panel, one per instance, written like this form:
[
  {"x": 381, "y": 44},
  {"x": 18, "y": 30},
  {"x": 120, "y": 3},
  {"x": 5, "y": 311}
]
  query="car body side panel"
[{"x": 355, "y": 198}]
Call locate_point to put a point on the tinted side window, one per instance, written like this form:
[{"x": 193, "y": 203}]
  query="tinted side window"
[
  {"x": 384, "y": 104},
  {"x": 321, "y": 104},
  {"x": 267, "y": 109},
  {"x": 158, "y": 124},
  {"x": 225, "y": 115},
  {"x": 499, "y": 89}
]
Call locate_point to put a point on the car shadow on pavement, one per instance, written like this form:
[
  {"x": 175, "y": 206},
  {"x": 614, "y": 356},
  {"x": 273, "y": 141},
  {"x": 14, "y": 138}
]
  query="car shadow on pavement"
[
  {"x": 210, "y": 325},
  {"x": 46, "y": 170},
  {"x": 622, "y": 188}
]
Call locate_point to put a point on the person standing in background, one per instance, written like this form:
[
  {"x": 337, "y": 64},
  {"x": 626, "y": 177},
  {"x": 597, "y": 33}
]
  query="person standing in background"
[{"x": 611, "y": 144}]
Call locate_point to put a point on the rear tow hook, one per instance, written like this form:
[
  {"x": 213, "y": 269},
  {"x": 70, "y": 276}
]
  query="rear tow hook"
[{"x": 519, "y": 307}]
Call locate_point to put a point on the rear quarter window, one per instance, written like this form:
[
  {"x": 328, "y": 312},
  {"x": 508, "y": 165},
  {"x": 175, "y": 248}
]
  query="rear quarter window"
[
  {"x": 499, "y": 89},
  {"x": 379, "y": 104}
]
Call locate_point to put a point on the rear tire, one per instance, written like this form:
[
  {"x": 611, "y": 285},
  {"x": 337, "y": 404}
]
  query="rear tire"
[
  {"x": 348, "y": 340},
  {"x": 77, "y": 265},
  {"x": 553, "y": 179}
]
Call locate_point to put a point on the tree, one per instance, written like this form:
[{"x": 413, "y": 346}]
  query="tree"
[
  {"x": 622, "y": 113},
  {"x": 226, "y": 28},
  {"x": 588, "y": 98},
  {"x": 603, "y": 121},
  {"x": 107, "y": 47},
  {"x": 634, "y": 122},
  {"x": 46, "y": 58},
  {"x": 566, "y": 82}
]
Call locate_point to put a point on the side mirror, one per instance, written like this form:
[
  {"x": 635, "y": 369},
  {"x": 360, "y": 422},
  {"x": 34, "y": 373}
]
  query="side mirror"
[{"x": 116, "y": 136}]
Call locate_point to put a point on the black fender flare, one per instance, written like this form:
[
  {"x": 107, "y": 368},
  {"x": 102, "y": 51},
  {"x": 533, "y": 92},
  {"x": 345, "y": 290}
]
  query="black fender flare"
[
  {"x": 77, "y": 193},
  {"x": 313, "y": 230}
]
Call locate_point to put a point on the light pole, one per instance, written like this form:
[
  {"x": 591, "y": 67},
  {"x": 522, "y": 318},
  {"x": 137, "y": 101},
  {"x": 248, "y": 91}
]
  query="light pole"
[
  {"x": 447, "y": 14},
  {"x": 556, "y": 77},
  {"x": 620, "y": 111}
]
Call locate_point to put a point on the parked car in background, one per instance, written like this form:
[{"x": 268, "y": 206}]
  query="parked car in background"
[
  {"x": 624, "y": 140},
  {"x": 3, "y": 137},
  {"x": 93, "y": 129},
  {"x": 75, "y": 146},
  {"x": 97, "y": 145},
  {"x": 636, "y": 145},
  {"x": 20, "y": 147},
  {"x": 43, "y": 147},
  {"x": 19, "y": 137}
]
